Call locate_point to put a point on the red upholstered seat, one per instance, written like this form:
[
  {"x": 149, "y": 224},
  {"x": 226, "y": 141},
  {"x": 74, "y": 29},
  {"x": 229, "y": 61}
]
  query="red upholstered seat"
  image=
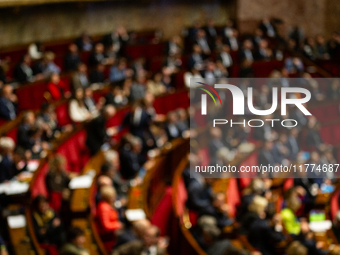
[
  {"x": 39, "y": 187},
  {"x": 182, "y": 197},
  {"x": 55, "y": 200},
  {"x": 334, "y": 205},
  {"x": 233, "y": 196},
  {"x": 63, "y": 116},
  {"x": 31, "y": 96},
  {"x": 162, "y": 214},
  {"x": 204, "y": 156},
  {"x": 289, "y": 183},
  {"x": 50, "y": 249}
]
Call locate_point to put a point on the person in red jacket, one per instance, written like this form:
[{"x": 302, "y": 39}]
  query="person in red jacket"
[
  {"x": 57, "y": 88},
  {"x": 108, "y": 222}
]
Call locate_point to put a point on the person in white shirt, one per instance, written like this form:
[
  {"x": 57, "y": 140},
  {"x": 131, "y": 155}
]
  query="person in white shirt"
[
  {"x": 77, "y": 108},
  {"x": 194, "y": 74},
  {"x": 225, "y": 57}
]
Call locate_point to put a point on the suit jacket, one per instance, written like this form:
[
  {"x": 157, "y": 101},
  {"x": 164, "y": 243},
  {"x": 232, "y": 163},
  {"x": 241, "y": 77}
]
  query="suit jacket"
[
  {"x": 96, "y": 77},
  {"x": 71, "y": 62},
  {"x": 24, "y": 138},
  {"x": 20, "y": 75},
  {"x": 192, "y": 61},
  {"x": 6, "y": 165},
  {"x": 130, "y": 163},
  {"x": 96, "y": 134},
  {"x": 79, "y": 81},
  {"x": 262, "y": 236},
  {"x": 266, "y": 158},
  {"x": 7, "y": 109},
  {"x": 107, "y": 218},
  {"x": 134, "y": 248}
]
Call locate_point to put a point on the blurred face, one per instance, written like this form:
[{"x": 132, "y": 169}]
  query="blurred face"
[
  {"x": 79, "y": 94},
  {"x": 88, "y": 92},
  {"x": 79, "y": 241},
  {"x": 158, "y": 77},
  {"x": 197, "y": 49},
  {"x": 7, "y": 91},
  {"x": 82, "y": 68},
  {"x": 30, "y": 118},
  {"x": 43, "y": 207},
  {"x": 150, "y": 237},
  {"x": 73, "y": 48},
  {"x": 55, "y": 78},
  {"x": 27, "y": 59},
  {"x": 99, "y": 48}
]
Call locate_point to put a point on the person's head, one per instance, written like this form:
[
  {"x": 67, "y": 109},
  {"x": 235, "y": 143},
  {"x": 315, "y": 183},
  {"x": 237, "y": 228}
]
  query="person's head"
[
  {"x": 258, "y": 32},
  {"x": 257, "y": 186},
  {"x": 182, "y": 114},
  {"x": 296, "y": 248},
  {"x": 6, "y": 145},
  {"x": 76, "y": 236},
  {"x": 200, "y": 33},
  {"x": 197, "y": 49},
  {"x": 315, "y": 157},
  {"x": 73, "y": 48},
  {"x": 122, "y": 63},
  {"x": 99, "y": 48},
  {"x": 263, "y": 44},
  {"x": 48, "y": 56},
  {"x": 18, "y": 154},
  {"x": 139, "y": 226},
  {"x": 108, "y": 169},
  {"x": 58, "y": 163},
  {"x": 334, "y": 250},
  {"x": 283, "y": 138},
  {"x": 157, "y": 77},
  {"x": 216, "y": 133},
  {"x": 109, "y": 111},
  {"x": 258, "y": 206},
  {"x": 100, "y": 68},
  {"x": 88, "y": 92},
  {"x": 136, "y": 144},
  {"x": 268, "y": 145},
  {"x": 226, "y": 48},
  {"x": 40, "y": 204},
  {"x": 82, "y": 68},
  {"x": 172, "y": 117},
  {"x": 219, "y": 199},
  {"x": 55, "y": 78},
  {"x": 247, "y": 44},
  {"x": 79, "y": 94},
  {"x": 7, "y": 91},
  {"x": 293, "y": 202},
  {"x": 112, "y": 157},
  {"x": 209, "y": 229},
  {"x": 233, "y": 250},
  {"x": 108, "y": 194},
  {"x": 26, "y": 59},
  {"x": 29, "y": 118},
  {"x": 151, "y": 235}
]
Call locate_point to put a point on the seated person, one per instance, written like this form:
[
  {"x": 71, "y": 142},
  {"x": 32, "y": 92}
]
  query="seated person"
[
  {"x": 77, "y": 108},
  {"x": 150, "y": 243},
  {"x": 57, "y": 88},
  {"x": 46, "y": 66},
  {"x": 24, "y": 138},
  {"x": 116, "y": 96},
  {"x": 79, "y": 78},
  {"x": 72, "y": 58},
  {"x": 57, "y": 181},
  {"x": 75, "y": 243},
  {"x": 131, "y": 159},
  {"x": 6, "y": 162},
  {"x": 296, "y": 248},
  {"x": 3, "y": 248},
  {"x": 171, "y": 128},
  {"x": 23, "y": 72},
  {"x": 8, "y": 103},
  {"x": 97, "y": 74},
  {"x": 47, "y": 226},
  {"x": 292, "y": 225},
  {"x": 107, "y": 217},
  {"x": 155, "y": 86}
]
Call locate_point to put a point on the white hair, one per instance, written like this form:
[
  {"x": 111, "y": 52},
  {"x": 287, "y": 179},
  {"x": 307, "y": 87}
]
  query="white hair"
[{"x": 7, "y": 143}]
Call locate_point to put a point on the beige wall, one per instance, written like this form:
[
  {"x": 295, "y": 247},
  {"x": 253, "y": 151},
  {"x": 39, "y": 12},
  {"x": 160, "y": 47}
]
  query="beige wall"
[
  {"x": 310, "y": 14},
  {"x": 49, "y": 22}
]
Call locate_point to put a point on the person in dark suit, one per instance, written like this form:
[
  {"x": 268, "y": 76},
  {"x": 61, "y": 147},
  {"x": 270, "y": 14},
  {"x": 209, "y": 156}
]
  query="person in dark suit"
[
  {"x": 232, "y": 40},
  {"x": 268, "y": 28},
  {"x": 97, "y": 133},
  {"x": 8, "y": 103},
  {"x": 246, "y": 51},
  {"x": 72, "y": 59},
  {"x": 280, "y": 150},
  {"x": 265, "y": 234},
  {"x": 265, "y": 156},
  {"x": 173, "y": 46},
  {"x": 6, "y": 161},
  {"x": 115, "y": 97},
  {"x": 131, "y": 158},
  {"x": 24, "y": 138},
  {"x": 202, "y": 41},
  {"x": 117, "y": 40},
  {"x": 224, "y": 56},
  {"x": 150, "y": 243},
  {"x": 215, "y": 143},
  {"x": 263, "y": 52},
  {"x": 196, "y": 59},
  {"x": 47, "y": 225},
  {"x": 84, "y": 42},
  {"x": 23, "y": 71},
  {"x": 97, "y": 74},
  {"x": 257, "y": 38},
  {"x": 210, "y": 30},
  {"x": 171, "y": 128}
]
